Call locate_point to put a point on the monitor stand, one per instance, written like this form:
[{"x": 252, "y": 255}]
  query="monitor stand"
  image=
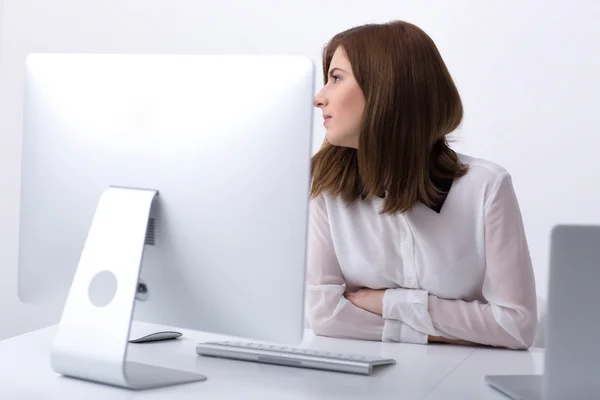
[{"x": 92, "y": 338}]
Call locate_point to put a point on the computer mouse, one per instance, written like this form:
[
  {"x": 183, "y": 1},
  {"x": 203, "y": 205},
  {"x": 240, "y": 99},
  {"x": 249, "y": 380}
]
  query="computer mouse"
[{"x": 156, "y": 336}]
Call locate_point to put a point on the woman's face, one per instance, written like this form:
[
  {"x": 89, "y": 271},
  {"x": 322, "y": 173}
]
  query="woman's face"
[{"x": 342, "y": 102}]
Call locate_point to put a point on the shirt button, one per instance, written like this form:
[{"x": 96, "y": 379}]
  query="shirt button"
[{"x": 411, "y": 281}]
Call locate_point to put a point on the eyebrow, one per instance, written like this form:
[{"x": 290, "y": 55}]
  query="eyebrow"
[{"x": 335, "y": 69}]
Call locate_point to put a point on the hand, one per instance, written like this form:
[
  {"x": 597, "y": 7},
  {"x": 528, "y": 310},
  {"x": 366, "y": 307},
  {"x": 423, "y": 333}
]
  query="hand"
[
  {"x": 372, "y": 300},
  {"x": 367, "y": 299}
]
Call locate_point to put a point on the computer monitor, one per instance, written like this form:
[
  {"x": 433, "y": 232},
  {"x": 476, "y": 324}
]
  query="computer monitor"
[{"x": 200, "y": 163}]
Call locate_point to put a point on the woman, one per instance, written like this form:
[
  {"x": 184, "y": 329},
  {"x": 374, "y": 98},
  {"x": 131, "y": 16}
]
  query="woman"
[{"x": 409, "y": 241}]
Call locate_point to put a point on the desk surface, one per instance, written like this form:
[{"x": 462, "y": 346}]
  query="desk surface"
[
  {"x": 427, "y": 372},
  {"x": 467, "y": 380}
]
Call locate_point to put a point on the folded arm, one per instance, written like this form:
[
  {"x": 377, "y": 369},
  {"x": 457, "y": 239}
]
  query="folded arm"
[
  {"x": 328, "y": 312},
  {"x": 508, "y": 317}
]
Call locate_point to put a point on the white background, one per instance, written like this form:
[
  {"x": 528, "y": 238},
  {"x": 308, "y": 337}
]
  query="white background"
[{"x": 528, "y": 73}]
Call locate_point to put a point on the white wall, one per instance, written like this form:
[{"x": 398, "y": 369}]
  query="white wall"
[{"x": 528, "y": 74}]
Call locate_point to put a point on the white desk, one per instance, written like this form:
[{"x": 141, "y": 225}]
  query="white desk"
[
  {"x": 422, "y": 372},
  {"x": 468, "y": 378}
]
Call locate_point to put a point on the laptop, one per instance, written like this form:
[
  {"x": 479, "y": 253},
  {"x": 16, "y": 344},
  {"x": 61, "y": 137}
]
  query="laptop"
[{"x": 572, "y": 356}]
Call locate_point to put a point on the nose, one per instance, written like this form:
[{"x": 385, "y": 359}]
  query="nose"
[{"x": 320, "y": 99}]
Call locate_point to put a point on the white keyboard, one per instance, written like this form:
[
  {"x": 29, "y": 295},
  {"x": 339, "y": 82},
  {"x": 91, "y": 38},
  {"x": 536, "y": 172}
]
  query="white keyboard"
[{"x": 293, "y": 357}]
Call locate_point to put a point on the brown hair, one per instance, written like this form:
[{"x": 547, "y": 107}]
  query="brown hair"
[{"x": 411, "y": 105}]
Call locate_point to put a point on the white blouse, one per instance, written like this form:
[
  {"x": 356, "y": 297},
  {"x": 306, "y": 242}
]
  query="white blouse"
[{"x": 463, "y": 273}]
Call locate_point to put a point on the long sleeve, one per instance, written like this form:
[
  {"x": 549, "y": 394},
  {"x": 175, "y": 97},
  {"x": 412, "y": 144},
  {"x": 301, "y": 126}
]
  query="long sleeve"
[
  {"x": 508, "y": 318},
  {"x": 328, "y": 312}
]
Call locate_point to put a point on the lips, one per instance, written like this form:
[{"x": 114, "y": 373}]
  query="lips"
[{"x": 326, "y": 119}]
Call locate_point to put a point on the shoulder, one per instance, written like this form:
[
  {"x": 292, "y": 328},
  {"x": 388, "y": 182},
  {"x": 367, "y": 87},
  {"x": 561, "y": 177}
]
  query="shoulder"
[
  {"x": 484, "y": 175},
  {"x": 325, "y": 202},
  {"x": 482, "y": 169},
  {"x": 332, "y": 207},
  {"x": 483, "y": 172}
]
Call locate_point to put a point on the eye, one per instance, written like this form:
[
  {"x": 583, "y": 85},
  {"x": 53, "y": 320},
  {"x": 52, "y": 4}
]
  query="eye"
[{"x": 336, "y": 78}]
